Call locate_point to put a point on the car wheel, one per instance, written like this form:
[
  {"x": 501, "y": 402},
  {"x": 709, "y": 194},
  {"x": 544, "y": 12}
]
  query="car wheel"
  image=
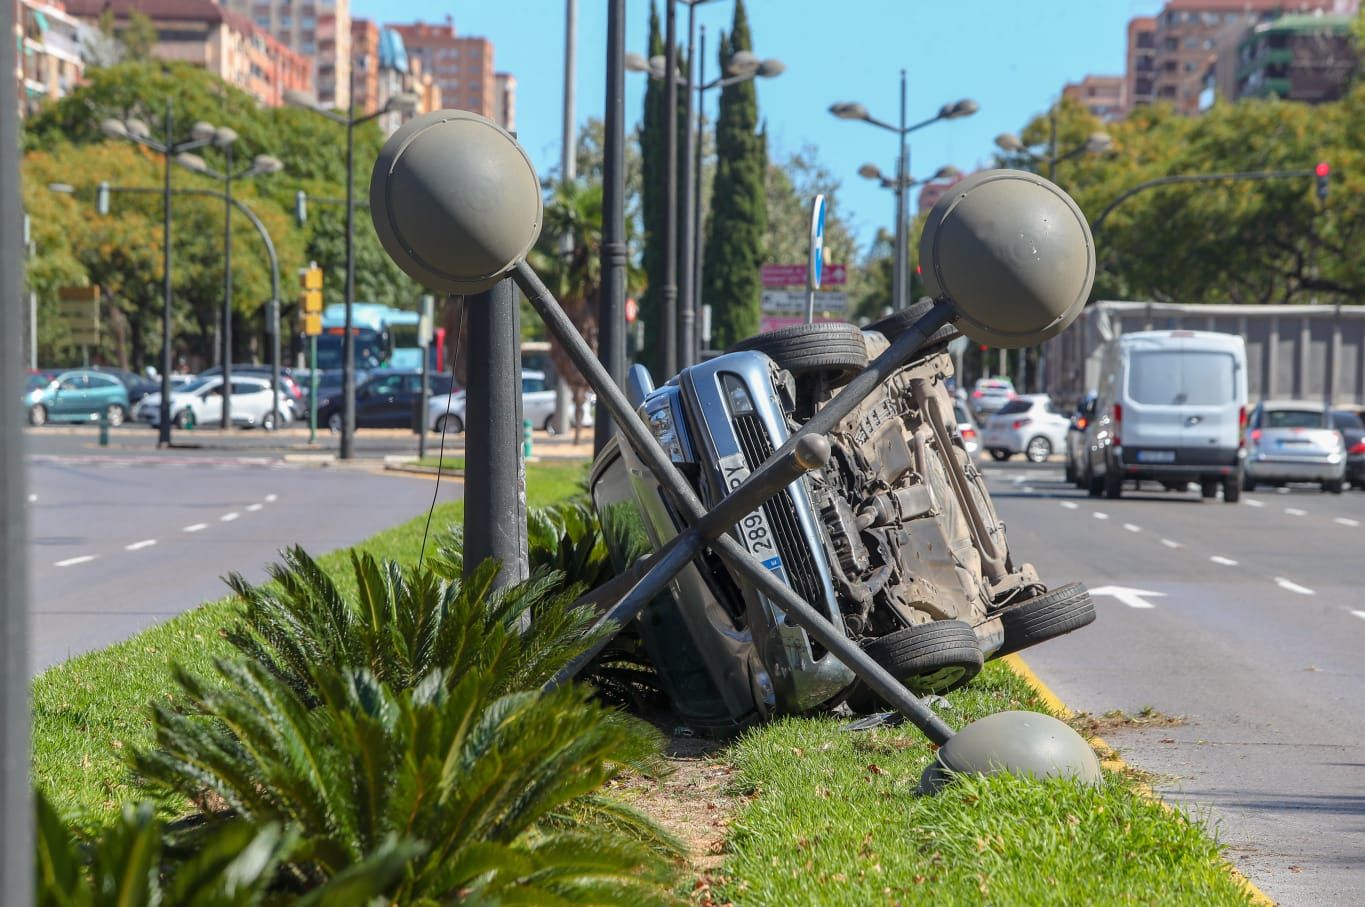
[
  {"x": 114, "y": 415},
  {"x": 1071, "y": 477},
  {"x": 450, "y": 423},
  {"x": 1208, "y": 487},
  {"x": 1333, "y": 487},
  {"x": 336, "y": 423},
  {"x": 929, "y": 658},
  {"x": 999, "y": 455},
  {"x": 1045, "y": 617},
  {"x": 1094, "y": 485},
  {"x": 37, "y": 414},
  {"x": 892, "y": 326},
  {"x": 1038, "y": 449},
  {"x": 268, "y": 421},
  {"x": 549, "y": 425},
  {"x": 834, "y": 349},
  {"x": 1113, "y": 484},
  {"x": 1232, "y": 489}
]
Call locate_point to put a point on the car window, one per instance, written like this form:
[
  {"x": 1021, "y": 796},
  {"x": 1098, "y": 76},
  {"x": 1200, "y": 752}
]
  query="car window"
[
  {"x": 1056, "y": 410},
  {"x": 1016, "y": 406},
  {"x": 412, "y": 384},
  {"x": 73, "y": 383},
  {"x": 1343, "y": 420},
  {"x": 102, "y": 382},
  {"x": 1174, "y": 377},
  {"x": 247, "y": 387},
  {"x": 389, "y": 384},
  {"x": 1293, "y": 418},
  {"x": 532, "y": 385}
]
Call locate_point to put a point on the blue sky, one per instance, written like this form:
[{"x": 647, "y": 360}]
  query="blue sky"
[{"x": 1011, "y": 56}]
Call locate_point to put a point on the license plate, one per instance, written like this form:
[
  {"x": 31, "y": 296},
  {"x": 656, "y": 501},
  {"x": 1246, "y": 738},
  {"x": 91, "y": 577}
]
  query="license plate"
[
  {"x": 1156, "y": 456},
  {"x": 754, "y": 532}
]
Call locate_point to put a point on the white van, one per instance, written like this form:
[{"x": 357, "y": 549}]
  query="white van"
[{"x": 1172, "y": 408}]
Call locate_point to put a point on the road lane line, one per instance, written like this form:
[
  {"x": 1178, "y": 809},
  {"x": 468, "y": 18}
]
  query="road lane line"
[
  {"x": 228, "y": 517},
  {"x": 271, "y": 498},
  {"x": 196, "y": 527},
  {"x": 32, "y": 498},
  {"x": 1100, "y": 516},
  {"x": 1294, "y": 511},
  {"x": 73, "y": 561},
  {"x": 1346, "y": 521},
  {"x": 1028, "y": 489},
  {"x": 1252, "y": 502},
  {"x": 1225, "y": 561},
  {"x": 1360, "y": 614},
  {"x": 1069, "y": 505},
  {"x": 252, "y": 508},
  {"x": 138, "y": 546},
  {"x": 1132, "y": 527},
  {"x": 1291, "y": 586},
  {"x": 1170, "y": 544}
]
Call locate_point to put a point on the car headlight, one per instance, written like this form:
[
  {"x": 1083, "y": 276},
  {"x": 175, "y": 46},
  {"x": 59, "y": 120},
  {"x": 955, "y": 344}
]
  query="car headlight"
[
  {"x": 738, "y": 395},
  {"x": 660, "y": 421}
]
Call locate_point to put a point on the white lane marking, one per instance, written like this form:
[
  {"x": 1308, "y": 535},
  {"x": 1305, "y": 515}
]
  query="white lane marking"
[
  {"x": 1069, "y": 505},
  {"x": 1346, "y": 521},
  {"x": 1294, "y": 511},
  {"x": 1225, "y": 561},
  {"x": 138, "y": 546},
  {"x": 1132, "y": 527},
  {"x": 32, "y": 498},
  {"x": 1100, "y": 516},
  {"x": 1133, "y": 598},
  {"x": 1019, "y": 480},
  {"x": 1028, "y": 489},
  {"x": 195, "y": 527},
  {"x": 1360, "y": 614},
  {"x": 1282, "y": 490},
  {"x": 252, "y": 508},
  {"x": 1291, "y": 586},
  {"x": 228, "y": 517},
  {"x": 271, "y": 498},
  {"x": 1170, "y": 544},
  {"x": 1252, "y": 502},
  {"x": 72, "y": 561}
]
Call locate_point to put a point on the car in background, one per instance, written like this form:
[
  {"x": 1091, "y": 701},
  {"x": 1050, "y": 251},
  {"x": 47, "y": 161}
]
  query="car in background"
[
  {"x": 989, "y": 394},
  {"x": 200, "y": 403},
  {"x": 78, "y": 396},
  {"x": 446, "y": 413},
  {"x": 1351, "y": 424},
  {"x": 1075, "y": 439},
  {"x": 138, "y": 385},
  {"x": 1032, "y": 425},
  {"x": 387, "y": 398},
  {"x": 1293, "y": 441},
  {"x": 289, "y": 384},
  {"x": 966, "y": 426}
]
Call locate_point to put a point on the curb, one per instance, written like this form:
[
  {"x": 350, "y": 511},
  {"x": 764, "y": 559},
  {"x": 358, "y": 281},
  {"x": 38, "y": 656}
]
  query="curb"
[{"x": 1111, "y": 760}]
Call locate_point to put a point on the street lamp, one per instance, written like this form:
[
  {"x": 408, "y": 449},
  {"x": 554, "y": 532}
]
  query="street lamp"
[
  {"x": 852, "y": 110},
  {"x": 225, "y": 139},
  {"x": 136, "y": 130},
  {"x": 404, "y": 102},
  {"x": 743, "y": 66}
]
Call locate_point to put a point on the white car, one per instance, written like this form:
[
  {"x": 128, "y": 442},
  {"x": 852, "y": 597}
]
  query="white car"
[
  {"x": 1031, "y": 425},
  {"x": 200, "y": 404},
  {"x": 966, "y": 426},
  {"x": 989, "y": 394},
  {"x": 445, "y": 413}
]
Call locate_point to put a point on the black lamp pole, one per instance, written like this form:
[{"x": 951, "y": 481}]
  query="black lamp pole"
[
  {"x": 669, "y": 317},
  {"x": 611, "y": 308},
  {"x": 348, "y": 340}
]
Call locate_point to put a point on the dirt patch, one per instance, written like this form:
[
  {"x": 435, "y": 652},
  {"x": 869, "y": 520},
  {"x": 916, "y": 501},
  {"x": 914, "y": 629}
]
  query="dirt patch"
[
  {"x": 1116, "y": 719},
  {"x": 695, "y": 802}
]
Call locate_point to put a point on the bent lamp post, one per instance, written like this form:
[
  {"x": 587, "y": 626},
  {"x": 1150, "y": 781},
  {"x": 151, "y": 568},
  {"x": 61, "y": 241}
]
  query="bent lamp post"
[{"x": 456, "y": 203}]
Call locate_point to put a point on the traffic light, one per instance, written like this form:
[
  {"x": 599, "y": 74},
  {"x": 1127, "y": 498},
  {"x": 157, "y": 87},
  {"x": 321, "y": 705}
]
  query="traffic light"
[
  {"x": 310, "y": 300},
  {"x": 1323, "y": 170}
]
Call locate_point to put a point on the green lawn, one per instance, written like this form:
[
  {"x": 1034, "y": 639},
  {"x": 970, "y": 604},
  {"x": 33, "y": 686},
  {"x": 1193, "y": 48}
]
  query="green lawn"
[
  {"x": 833, "y": 819},
  {"x": 87, "y": 712}
]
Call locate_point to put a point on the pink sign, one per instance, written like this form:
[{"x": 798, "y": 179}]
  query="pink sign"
[{"x": 777, "y": 276}]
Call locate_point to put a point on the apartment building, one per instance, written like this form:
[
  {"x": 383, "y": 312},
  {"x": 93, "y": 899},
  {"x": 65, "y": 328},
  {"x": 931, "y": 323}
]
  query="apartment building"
[
  {"x": 505, "y": 100},
  {"x": 461, "y": 67},
  {"x": 1298, "y": 58},
  {"x": 317, "y": 29},
  {"x": 1139, "y": 82},
  {"x": 1101, "y": 95},
  {"x": 50, "y": 43}
]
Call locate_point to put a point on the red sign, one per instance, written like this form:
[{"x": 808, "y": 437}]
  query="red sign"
[{"x": 778, "y": 276}]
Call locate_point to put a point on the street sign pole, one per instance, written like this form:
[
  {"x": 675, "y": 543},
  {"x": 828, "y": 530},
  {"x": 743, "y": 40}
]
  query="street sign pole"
[
  {"x": 313, "y": 389},
  {"x": 424, "y": 340},
  {"x": 815, "y": 267}
]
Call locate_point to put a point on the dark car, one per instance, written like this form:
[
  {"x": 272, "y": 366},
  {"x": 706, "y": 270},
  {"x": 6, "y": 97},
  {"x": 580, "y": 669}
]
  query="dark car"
[
  {"x": 1351, "y": 424},
  {"x": 386, "y": 399}
]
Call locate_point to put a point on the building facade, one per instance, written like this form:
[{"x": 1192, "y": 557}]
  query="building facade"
[
  {"x": 318, "y": 29},
  {"x": 505, "y": 101},
  {"x": 1139, "y": 82},
  {"x": 50, "y": 45},
  {"x": 1102, "y": 95},
  {"x": 365, "y": 65},
  {"x": 461, "y": 67},
  {"x": 1298, "y": 58}
]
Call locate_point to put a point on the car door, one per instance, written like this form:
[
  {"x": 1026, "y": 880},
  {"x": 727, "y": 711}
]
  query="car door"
[
  {"x": 381, "y": 396},
  {"x": 250, "y": 400},
  {"x": 1210, "y": 411},
  {"x": 106, "y": 391},
  {"x": 211, "y": 404},
  {"x": 68, "y": 399},
  {"x": 1151, "y": 428},
  {"x": 537, "y": 403}
]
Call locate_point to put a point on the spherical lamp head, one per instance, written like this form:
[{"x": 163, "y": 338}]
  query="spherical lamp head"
[
  {"x": 1013, "y": 252},
  {"x": 771, "y": 67},
  {"x": 137, "y": 128},
  {"x": 870, "y": 171},
  {"x": 848, "y": 110},
  {"x": 742, "y": 63},
  {"x": 1018, "y": 743},
  {"x": 265, "y": 163},
  {"x": 224, "y": 136},
  {"x": 114, "y": 128},
  {"x": 191, "y": 161},
  {"x": 1008, "y": 141},
  {"x": 1098, "y": 143},
  {"x": 455, "y": 201},
  {"x": 636, "y": 62}
]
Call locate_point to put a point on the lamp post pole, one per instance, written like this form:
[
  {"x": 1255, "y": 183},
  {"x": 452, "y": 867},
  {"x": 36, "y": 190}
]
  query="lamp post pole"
[
  {"x": 164, "y": 420},
  {"x": 695, "y": 218},
  {"x": 611, "y": 351},
  {"x": 687, "y": 320},
  {"x": 668, "y": 328},
  {"x": 348, "y": 340},
  {"x": 226, "y": 422}
]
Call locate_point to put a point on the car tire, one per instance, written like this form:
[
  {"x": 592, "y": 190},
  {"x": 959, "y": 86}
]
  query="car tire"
[
  {"x": 115, "y": 415},
  {"x": 936, "y": 657},
  {"x": 832, "y": 348},
  {"x": 37, "y": 414},
  {"x": 449, "y": 423},
  {"x": 1038, "y": 449},
  {"x": 1333, "y": 486},
  {"x": 1045, "y": 617},
  {"x": 1208, "y": 487},
  {"x": 1232, "y": 489},
  {"x": 549, "y": 425},
  {"x": 268, "y": 421},
  {"x": 1071, "y": 477},
  {"x": 897, "y": 323},
  {"x": 999, "y": 455},
  {"x": 1113, "y": 484},
  {"x": 1248, "y": 483},
  {"x": 336, "y": 423}
]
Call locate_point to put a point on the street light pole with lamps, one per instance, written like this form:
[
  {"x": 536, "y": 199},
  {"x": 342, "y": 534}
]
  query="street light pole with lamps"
[
  {"x": 405, "y": 102},
  {"x": 135, "y": 130},
  {"x": 901, "y": 188},
  {"x": 225, "y": 138},
  {"x": 852, "y": 110}
]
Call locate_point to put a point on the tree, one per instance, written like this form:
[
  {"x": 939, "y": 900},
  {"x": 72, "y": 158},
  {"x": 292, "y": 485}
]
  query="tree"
[{"x": 731, "y": 278}]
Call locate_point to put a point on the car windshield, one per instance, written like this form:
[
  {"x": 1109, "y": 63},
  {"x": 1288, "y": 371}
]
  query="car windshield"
[
  {"x": 1015, "y": 406},
  {"x": 993, "y": 386},
  {"x": 1176, "y": 377},
  {"x": 193, "y": 387},
  {"x": 1292, "y": 418},
  {"x": 1344, "y": 420}
]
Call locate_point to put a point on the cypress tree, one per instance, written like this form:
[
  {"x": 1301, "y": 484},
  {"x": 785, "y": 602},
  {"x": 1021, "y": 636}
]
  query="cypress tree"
[{"x": 731, "y": 282}]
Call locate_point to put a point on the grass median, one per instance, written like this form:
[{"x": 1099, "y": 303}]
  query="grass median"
[{"x": 89, "y": 710}]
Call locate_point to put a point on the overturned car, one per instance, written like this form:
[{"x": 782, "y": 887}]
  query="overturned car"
[{"x": 894, "y": 539}]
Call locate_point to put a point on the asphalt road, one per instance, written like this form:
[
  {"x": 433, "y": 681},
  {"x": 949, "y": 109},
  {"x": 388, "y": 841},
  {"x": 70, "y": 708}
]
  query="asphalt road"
[
  {"x": 121, "y": 541},
  {"x": 1246, "y": 619}
]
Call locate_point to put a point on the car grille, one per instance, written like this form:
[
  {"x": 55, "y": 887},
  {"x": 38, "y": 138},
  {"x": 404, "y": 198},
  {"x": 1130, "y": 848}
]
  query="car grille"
[{"x": 780, "y": 510}]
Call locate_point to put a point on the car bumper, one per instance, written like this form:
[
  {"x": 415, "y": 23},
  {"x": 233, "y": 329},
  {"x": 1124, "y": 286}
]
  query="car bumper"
[
  {"x": 1283, "y": 469},
  {"x": 1003, "y": 439},
  {"x": 1189, "y": 463}
]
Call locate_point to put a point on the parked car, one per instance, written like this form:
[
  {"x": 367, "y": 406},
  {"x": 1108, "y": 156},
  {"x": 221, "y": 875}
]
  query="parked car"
[
  {"x": 1032, "y": 425},
  {"x": 138, "y": 385},
  {"x": 966, "y": 425},
  {"x": 200, "y": 403},
  {"x": 446, "y": 413},
  {"x": 1075, "y": 439},
  {"x": 298, "y": 403},
  {"x": 1171, "y": 407},
  {"x": 1351, "y": 424},
  {"x": 1294, "y": 441},
  {"x": 387, "y": 398},
  {"x": 990, "y": 394},
  {"x": 78, "y": 396}
]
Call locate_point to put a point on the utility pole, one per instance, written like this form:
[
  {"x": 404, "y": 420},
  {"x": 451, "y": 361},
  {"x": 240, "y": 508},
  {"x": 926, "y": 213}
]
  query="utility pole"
[
  {"x": 611, "y": 349},
  {"x": 568, "y": 166},
  {"x": 687, "y": 291},
  {"x": 669, "y": 327}
]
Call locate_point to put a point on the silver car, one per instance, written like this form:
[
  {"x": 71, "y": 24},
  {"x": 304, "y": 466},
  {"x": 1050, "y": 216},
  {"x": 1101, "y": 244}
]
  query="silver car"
[{"x": 1293, "y": 441}]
